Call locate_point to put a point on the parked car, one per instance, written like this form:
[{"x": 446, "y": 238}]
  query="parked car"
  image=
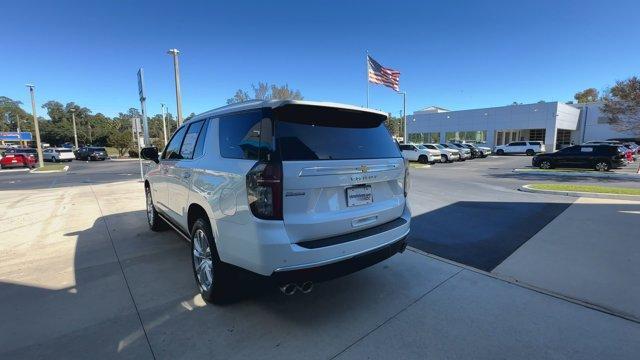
[
  {"x": 465, "y": 153},
  {"x": 17, "y": 160},
  {"x": 91, "y": 153},
  {"x": 294, "y": 191},
  {"x": 21, "y": 150},
  {"x": 483, "y": 151},
  {"x": 420, "y": 153},
  {"x": 447, "y": 154},
  {"x": 475, "y": 153},
  {"x": 521, "y": 147},
  {"x": 57, "y": 154},
  {"x": 598, "y": 157}
]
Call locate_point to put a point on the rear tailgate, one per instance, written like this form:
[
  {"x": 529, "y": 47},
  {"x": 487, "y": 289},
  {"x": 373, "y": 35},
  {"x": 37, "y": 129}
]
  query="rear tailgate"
[
  {"x": 342, "y": 171},
  {"x": 315, "y": 196}
]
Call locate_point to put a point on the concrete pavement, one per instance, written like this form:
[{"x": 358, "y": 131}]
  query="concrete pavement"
[
  {"x": 590, "y": 252},
  {"x": 82, "y": 276}
]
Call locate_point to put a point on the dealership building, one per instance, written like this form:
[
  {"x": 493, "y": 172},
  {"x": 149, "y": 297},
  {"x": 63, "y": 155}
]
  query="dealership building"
[{"x": 551, "y": 122}]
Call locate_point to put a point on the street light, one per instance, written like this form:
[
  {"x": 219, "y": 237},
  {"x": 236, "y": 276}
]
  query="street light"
[
  {"x": 75, "y": 133},
  {"x": 176, "y": 70},
  {"x": 404, "y": 115},
  {"x": 164, "y": 123},
  {"x": 35, "y": 124}
]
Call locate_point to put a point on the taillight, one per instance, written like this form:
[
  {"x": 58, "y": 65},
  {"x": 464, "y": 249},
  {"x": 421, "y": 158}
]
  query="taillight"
[
  {"x": 406, "y": 182},
  {"x": 264, "y": 190}
]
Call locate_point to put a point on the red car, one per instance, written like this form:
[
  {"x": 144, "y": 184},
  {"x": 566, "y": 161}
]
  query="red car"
[{"x": 18, "y": 160}]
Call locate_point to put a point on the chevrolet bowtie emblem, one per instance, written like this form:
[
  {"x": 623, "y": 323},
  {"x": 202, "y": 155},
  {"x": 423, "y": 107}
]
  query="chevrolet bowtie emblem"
[{"x": 364, "y": 168}]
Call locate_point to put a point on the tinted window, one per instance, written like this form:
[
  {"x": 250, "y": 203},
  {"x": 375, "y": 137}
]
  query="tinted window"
[
  {"x": 172, "y": 151},
  {"x": 240, "y": 135},
  {"x": 535, "y": 143},
  {"x": 431, "y": 147},
  {"x": 518, "y": 144},
  {"x": 320, "y": 133},
  {"x": 571, "y": 150},
  {"x": 405, "y": 147},
  {"x": 190, "y": 139},
  {"x": 200, "y": 143}
]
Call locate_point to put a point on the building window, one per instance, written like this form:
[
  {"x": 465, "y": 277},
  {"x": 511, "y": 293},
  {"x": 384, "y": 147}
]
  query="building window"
[
  {"x": 476, "y": 136},
  {"x": 563, "y": 138},
  {"x": 537, "y": 134},
  {"x": 424, "y": 138}
]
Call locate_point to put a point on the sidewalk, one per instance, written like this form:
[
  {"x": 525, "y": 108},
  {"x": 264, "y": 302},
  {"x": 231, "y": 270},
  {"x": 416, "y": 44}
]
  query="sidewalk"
[
  {"x": 590, "y": 252},
  {"x": 86, "y": 278}
]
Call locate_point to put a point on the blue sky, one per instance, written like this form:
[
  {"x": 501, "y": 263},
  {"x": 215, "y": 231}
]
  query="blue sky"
[{"x": 454, "y": 54}]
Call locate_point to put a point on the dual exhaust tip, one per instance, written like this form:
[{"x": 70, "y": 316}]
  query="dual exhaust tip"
[{"x": 291, "y": 288}]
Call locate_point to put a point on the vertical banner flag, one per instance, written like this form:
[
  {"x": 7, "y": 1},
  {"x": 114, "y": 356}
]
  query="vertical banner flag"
[{"x": 379, "y": 74}]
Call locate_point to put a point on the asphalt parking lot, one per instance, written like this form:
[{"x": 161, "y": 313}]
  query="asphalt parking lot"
[{"x": 80, "y": 273}]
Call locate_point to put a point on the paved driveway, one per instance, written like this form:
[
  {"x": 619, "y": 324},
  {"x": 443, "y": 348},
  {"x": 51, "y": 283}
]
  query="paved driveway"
[{"x": 81, "y": 276}]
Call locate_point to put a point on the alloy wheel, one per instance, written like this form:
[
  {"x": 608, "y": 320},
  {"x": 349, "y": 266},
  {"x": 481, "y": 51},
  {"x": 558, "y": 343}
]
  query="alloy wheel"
[
  {"x": 202, "y": 260},
  {"x": 602, "y": 166},
  {"x": 545, "y": 165}
]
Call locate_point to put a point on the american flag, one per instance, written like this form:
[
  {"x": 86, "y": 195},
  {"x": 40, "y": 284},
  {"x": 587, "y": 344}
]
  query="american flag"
[{"x": 379, "y": 74}]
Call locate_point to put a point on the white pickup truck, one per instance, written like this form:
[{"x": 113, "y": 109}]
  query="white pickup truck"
[
  {"x": 420, "y": 153},
  {"x": 521, "y": 147}
]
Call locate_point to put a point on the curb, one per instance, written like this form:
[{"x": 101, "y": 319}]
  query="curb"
[
  {"x": 124, "y": 159},
  {"x": 527, "y": 188},
  {"x": 609, "y": 175},
  {"x": 3, "y": 171},
  {"x": 49, "y": 171}
]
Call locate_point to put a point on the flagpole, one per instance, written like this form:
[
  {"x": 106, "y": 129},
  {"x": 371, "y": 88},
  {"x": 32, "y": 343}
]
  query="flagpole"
[{"x": 367, "y": 79}]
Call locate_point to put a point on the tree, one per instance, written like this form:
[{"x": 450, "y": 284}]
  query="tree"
[
  {"x": 264, "y": 91},
  {"x": 622, "y": 106},
  {"x": 121, "y": 141},
  {"x": 586, "y": 96}
]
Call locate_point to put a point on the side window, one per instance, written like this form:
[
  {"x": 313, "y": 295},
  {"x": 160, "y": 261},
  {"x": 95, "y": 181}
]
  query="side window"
[
  {"x": 404, "y": 147},
  {"x": 570, "y": 150},
  {"x": 199, "y": 150},
  {"x": 240, "y": 135},
  {"x": 190, "y": 139},
  {"x": 172, "y": 151}
]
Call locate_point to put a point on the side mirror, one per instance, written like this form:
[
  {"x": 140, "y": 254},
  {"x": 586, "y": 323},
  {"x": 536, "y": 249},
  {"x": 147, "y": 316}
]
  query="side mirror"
[{"x": 150, "y": 153}]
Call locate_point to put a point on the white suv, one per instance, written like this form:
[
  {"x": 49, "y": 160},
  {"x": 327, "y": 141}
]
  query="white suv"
[
  {"x": 420, "y": 153},
  {"x": 295, "y": 191},
  {"x": 520, "y": 147}
]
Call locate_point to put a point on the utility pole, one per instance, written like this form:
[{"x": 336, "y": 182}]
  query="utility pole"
[
  {"x": 164, "y": 123},
  {"x": 35, "y": 124},
  {"x": 176, "y": 71},
  {"x": 18, "y": 129},
  {"x": 404, "y": 116},
  {"x": 75, "y": 132}
]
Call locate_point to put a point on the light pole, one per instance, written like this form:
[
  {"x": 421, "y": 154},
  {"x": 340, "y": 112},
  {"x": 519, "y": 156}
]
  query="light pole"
[
  {"x": 176, "y": 71},
  {"x": 164, "y": 123},
  {"x": 404, "y": 116},
  {"x": 18, "y": 129},
  {"x": 35, "y": 124},
  {"x": 75, "y": 132}
]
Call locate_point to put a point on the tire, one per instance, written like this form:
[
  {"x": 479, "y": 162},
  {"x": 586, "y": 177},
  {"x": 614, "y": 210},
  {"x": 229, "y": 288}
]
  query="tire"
[
  {"x": 545, "y": 164},
  {"x": 602, "y": 165},
  {"x": 444, "y": 158},
  {"x": 500, "y": 152},
  {"x": 530, "y": 152},
  {"x": 155, "y": 222},
  {"x": 214, "y": 279},
  {"x": 423, "y": 159},
  {"x": 53, "y": 159}
]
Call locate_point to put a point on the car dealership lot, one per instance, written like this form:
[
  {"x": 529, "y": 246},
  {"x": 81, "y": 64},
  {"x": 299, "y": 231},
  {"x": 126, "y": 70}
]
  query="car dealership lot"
[{"x": 81, "y": 274}]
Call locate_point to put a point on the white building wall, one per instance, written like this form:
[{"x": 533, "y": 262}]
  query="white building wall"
[
  {"x": 593, "y": 127},
  {"x": 549, "y": 116}
]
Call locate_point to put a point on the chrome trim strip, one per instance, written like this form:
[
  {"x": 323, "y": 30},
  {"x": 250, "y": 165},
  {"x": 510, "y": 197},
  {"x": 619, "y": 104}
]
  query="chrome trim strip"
[
  {"x": 174, "y": 227},
  {"x": 341, "y": 170},
  {"x": 341, "y": 258}
]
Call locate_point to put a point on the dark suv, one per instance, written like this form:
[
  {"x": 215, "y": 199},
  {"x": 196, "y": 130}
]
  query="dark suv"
[
  {"x": 91, "y": 153},
  {"x": 598, "y": 157}
]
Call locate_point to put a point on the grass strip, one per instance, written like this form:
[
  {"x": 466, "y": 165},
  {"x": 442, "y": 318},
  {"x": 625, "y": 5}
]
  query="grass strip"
[{"x": 587, "y": 188}]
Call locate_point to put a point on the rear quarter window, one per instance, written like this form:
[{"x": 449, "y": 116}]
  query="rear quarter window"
[{"x": 243, "y": 135}]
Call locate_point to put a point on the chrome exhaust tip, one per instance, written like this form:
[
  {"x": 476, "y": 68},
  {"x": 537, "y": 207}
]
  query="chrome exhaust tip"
[
  {"x": 306, "y": 287},
  {"x": 288, "y": 289}
]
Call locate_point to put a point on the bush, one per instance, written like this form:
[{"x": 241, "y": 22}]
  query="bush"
[{"x": 133, "y": 153}]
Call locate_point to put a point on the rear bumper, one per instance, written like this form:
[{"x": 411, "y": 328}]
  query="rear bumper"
[{"x": 265, "y": 248}]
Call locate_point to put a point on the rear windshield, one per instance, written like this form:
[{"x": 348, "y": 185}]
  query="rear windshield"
[{"x": 320, "y": 133}]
